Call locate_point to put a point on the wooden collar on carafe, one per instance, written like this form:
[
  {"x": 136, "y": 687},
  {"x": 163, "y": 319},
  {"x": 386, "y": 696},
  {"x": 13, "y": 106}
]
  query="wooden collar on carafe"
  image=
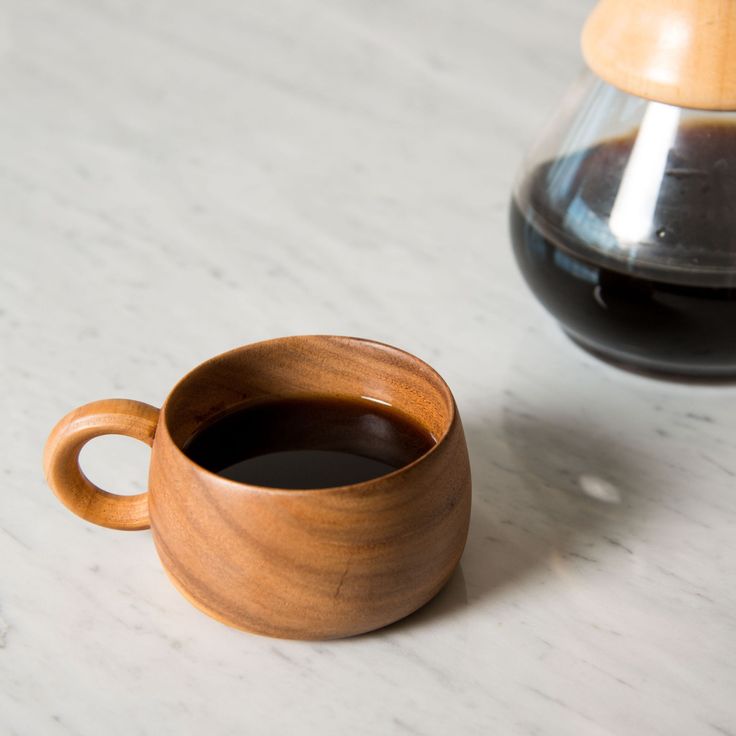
[{"x": 680, "y": 52}]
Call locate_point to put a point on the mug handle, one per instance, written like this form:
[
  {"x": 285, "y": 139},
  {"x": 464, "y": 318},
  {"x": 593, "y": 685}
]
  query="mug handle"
[{"x": 69, "y": 483}]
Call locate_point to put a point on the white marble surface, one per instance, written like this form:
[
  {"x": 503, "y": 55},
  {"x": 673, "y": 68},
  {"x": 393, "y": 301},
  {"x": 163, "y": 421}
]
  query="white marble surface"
[{"x": 177, "y": 178}]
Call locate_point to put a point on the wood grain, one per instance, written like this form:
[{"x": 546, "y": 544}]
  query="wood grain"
[
  {"x": 681, "y": 52},
  {"x": 306, "y": 564}
]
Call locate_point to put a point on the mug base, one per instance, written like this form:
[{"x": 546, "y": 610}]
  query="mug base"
[{"x": 289, "y": 634}]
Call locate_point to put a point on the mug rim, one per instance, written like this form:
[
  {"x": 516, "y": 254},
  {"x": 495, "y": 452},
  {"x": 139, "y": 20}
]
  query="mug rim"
[{"x": 250, "y": 487}]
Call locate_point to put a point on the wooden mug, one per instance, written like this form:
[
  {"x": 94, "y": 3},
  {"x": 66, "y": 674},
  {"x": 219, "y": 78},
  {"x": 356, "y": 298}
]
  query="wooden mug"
[{"x": 301, "y": 564}]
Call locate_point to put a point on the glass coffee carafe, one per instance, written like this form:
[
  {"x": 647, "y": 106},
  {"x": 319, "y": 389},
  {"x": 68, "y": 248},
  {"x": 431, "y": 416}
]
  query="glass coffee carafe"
[{"x": 623, "y": 221}]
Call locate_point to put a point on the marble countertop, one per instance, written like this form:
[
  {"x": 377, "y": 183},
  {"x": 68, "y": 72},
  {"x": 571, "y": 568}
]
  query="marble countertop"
[{"x": 178, "y": 178}]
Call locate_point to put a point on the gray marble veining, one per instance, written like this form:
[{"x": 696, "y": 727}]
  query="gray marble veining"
[{"x": 180, "y": 178}]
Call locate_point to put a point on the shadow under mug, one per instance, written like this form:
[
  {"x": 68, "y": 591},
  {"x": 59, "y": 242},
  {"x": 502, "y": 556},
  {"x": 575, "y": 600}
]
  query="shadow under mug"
[{"x": 304, "y": 564}]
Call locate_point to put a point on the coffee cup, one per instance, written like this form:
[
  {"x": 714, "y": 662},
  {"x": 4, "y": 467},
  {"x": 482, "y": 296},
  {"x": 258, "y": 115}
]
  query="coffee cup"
[{"x": 311, "y": 563}]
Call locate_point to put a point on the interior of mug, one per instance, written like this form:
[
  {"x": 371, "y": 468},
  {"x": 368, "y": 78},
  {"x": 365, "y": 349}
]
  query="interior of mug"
[{"x": 305, "y": 366}]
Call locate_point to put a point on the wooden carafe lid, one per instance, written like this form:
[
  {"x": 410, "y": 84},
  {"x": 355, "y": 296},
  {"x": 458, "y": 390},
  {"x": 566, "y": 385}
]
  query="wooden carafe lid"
[{"x": 681, "y": 52}]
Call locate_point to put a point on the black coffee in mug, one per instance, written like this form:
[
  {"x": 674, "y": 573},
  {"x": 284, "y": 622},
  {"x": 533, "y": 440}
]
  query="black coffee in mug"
[{"x": 309, "y": 442}]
